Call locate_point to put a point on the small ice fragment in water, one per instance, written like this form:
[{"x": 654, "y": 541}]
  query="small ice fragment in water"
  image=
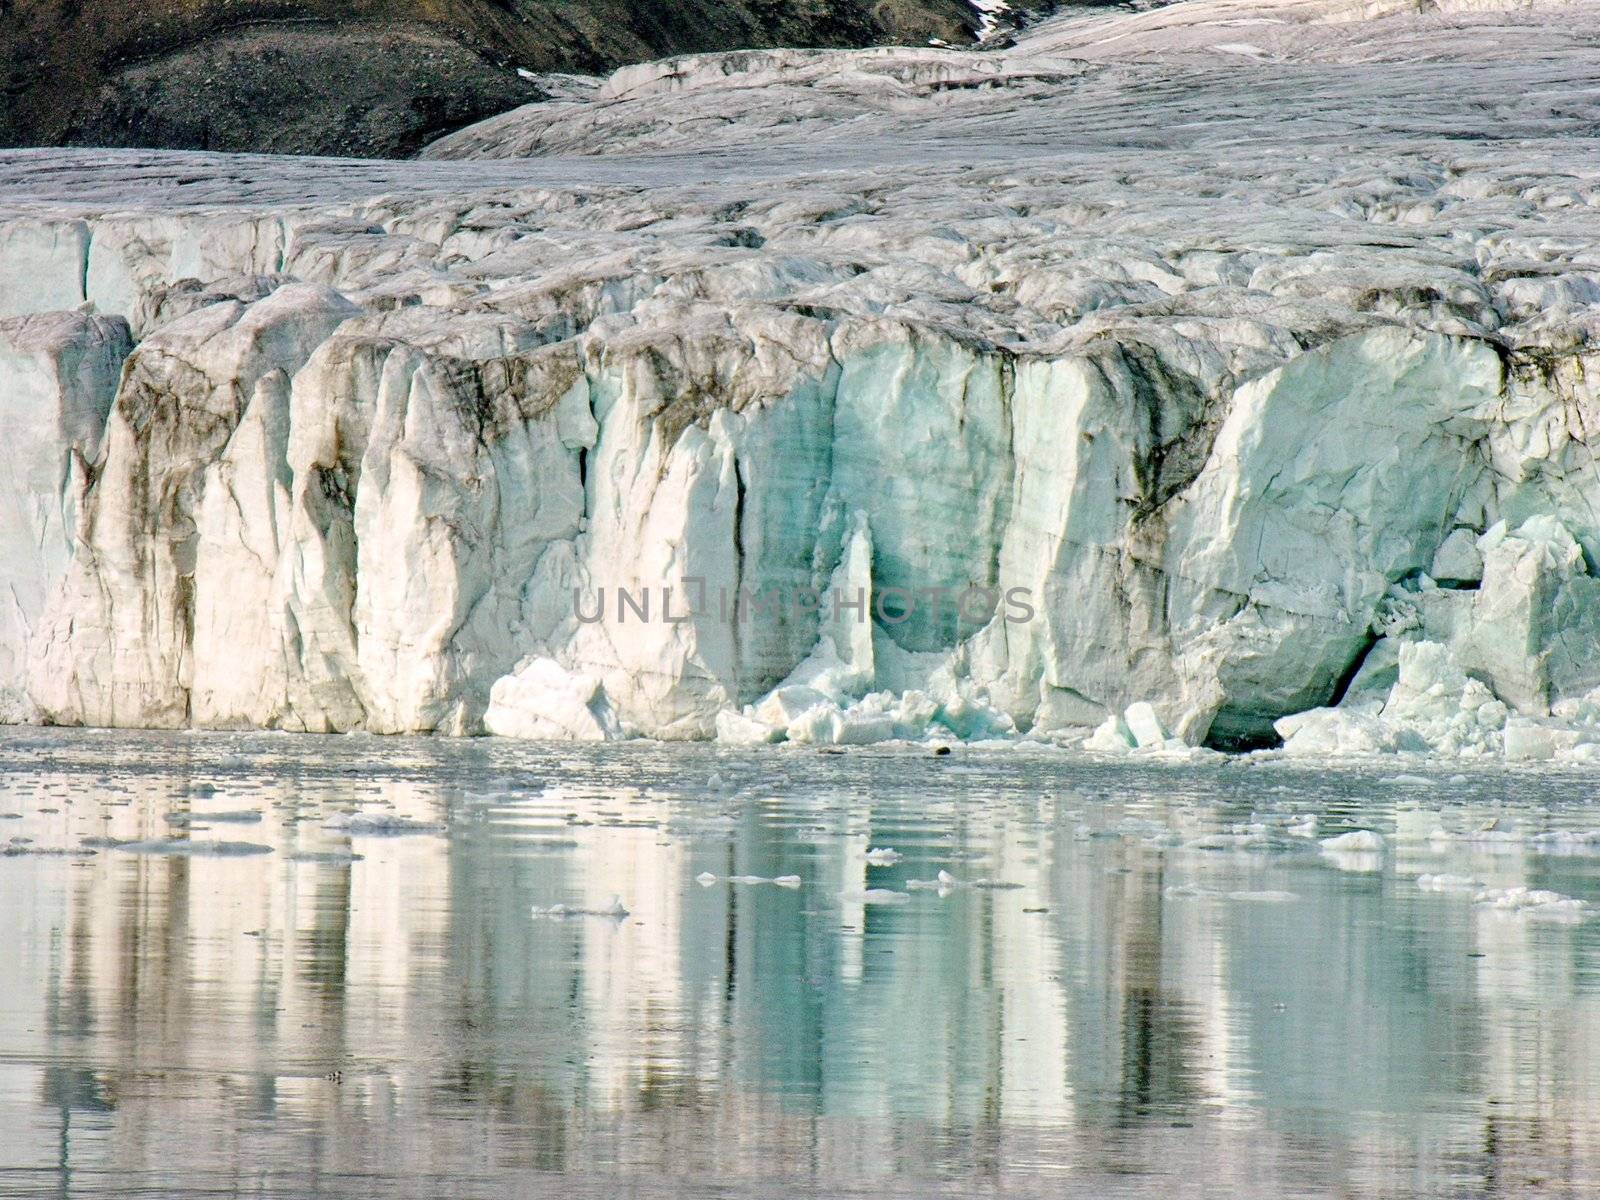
[
  {"x": 1410, "y": 780},
  {"x": 1247, "y": 840},
  {"x": 379, "y": 824},
  {"x": 707, "y": 879},
  {"x": 1447, "y": 883},
  {"x": 196, "y": 849},
  {"x": 1488, "y": 837},
  {"x": 613, "y": 911},
  {"x": 1357, "y": 840},
  {"x": 883, "y": 856},
  {"x": 18, "y": 847},
  {"x": 1532, "y": 902},
  {"x": 1416, "y": 824},
  {"x": 1190, "y": 891},
  {"x": 241, "y": 817},
  {"x": 1567, "y": 841}
]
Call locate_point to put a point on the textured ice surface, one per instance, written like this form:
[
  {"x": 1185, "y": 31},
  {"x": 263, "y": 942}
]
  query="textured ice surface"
[{"x": 1250, "y": 342}]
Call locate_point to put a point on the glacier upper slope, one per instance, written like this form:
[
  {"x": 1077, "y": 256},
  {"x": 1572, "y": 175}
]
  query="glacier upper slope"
[{"x": 1250, "y": 343}]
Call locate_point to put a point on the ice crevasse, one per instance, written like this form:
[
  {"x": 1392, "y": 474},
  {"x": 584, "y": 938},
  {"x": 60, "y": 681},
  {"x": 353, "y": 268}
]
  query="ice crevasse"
[{"x": 373, "y": 463}]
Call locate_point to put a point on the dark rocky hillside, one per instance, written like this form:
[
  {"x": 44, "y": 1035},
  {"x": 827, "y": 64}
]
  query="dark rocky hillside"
[{"x": 367, "y": 77}]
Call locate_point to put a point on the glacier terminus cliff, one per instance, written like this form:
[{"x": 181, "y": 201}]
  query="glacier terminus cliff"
[{"x": 1255, "y": 342}]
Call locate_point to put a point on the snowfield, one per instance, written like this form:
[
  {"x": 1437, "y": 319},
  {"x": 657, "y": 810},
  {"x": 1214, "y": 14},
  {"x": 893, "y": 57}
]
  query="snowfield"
[{"x": 1257, "y": 343}]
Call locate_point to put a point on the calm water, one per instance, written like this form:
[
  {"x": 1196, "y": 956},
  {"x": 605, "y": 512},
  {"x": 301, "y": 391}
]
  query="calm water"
[{"x": 1182, "y": 995}]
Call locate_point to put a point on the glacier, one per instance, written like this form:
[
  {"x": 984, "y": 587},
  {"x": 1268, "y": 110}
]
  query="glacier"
[{"x": 1252, "y": 346}]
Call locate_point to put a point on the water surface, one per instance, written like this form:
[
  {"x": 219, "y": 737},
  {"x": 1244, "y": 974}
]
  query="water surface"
[{"x": 1179, "y": 991}]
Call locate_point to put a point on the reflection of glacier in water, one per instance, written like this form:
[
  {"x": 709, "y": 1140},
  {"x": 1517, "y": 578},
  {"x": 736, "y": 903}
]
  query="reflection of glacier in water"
[{"x": 1187, "y": 984}]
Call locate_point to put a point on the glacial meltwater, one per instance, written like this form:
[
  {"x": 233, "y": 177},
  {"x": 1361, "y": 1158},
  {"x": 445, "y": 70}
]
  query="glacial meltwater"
[{"x": 289, "y": 966}]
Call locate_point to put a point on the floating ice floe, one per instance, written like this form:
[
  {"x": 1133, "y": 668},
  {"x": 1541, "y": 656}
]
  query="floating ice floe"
[
  {"x": 1493, "y": 837},
  {"x": 613, "y": 911},
  {"x": 1566, "y": 842},
  {"x": 883, "y": 857},
  {"x": 379, "y": 824},
  {"x": 707, "y": 879},
  {"x": 237, "y": 817},
  {"x": 1532, "y": 902},
  {"x": 25, "y": 848},
  {"x": 945, "y": 883},
  {"x": 1234, "y": 839},
  {"x": 1191, "y": 891},
  {"x": 1194, "y": 891},
  {"x": 195, "y": 849},
  {"x": 331, "y": 858},
  {"x": 1357, "y": 840}
]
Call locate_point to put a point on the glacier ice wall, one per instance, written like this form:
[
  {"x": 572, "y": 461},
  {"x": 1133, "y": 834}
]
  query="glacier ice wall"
[{"x": 328, "y": 446}]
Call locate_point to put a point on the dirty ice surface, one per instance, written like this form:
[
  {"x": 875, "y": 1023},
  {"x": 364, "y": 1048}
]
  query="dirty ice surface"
[{"x": 480, "y": 968}]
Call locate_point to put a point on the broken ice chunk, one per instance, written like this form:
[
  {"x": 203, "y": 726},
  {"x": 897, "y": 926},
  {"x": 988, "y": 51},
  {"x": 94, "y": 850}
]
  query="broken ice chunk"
[
  {"x": 379, "y": 824},
  {"x": 241, "y": 817},
  {"x": 1145, "y": 725},
  {"x": 737, "y": 729},
  {"x": 613, "y": 911},
  {"x": 1359, "y": 840},
  {"x": 1532, "y": 902},
  {"x": 944, "y": 884},
  {"x": 196, "y": 849},
  {"x": 1111, "y": 737},
  {"x": 543, "y": 700},
  {"x": 707, "y": 879}
]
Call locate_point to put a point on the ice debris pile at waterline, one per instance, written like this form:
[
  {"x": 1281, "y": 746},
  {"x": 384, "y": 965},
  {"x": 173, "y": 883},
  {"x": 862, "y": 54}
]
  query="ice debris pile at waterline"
[{"x": 1256, "y": 345}]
